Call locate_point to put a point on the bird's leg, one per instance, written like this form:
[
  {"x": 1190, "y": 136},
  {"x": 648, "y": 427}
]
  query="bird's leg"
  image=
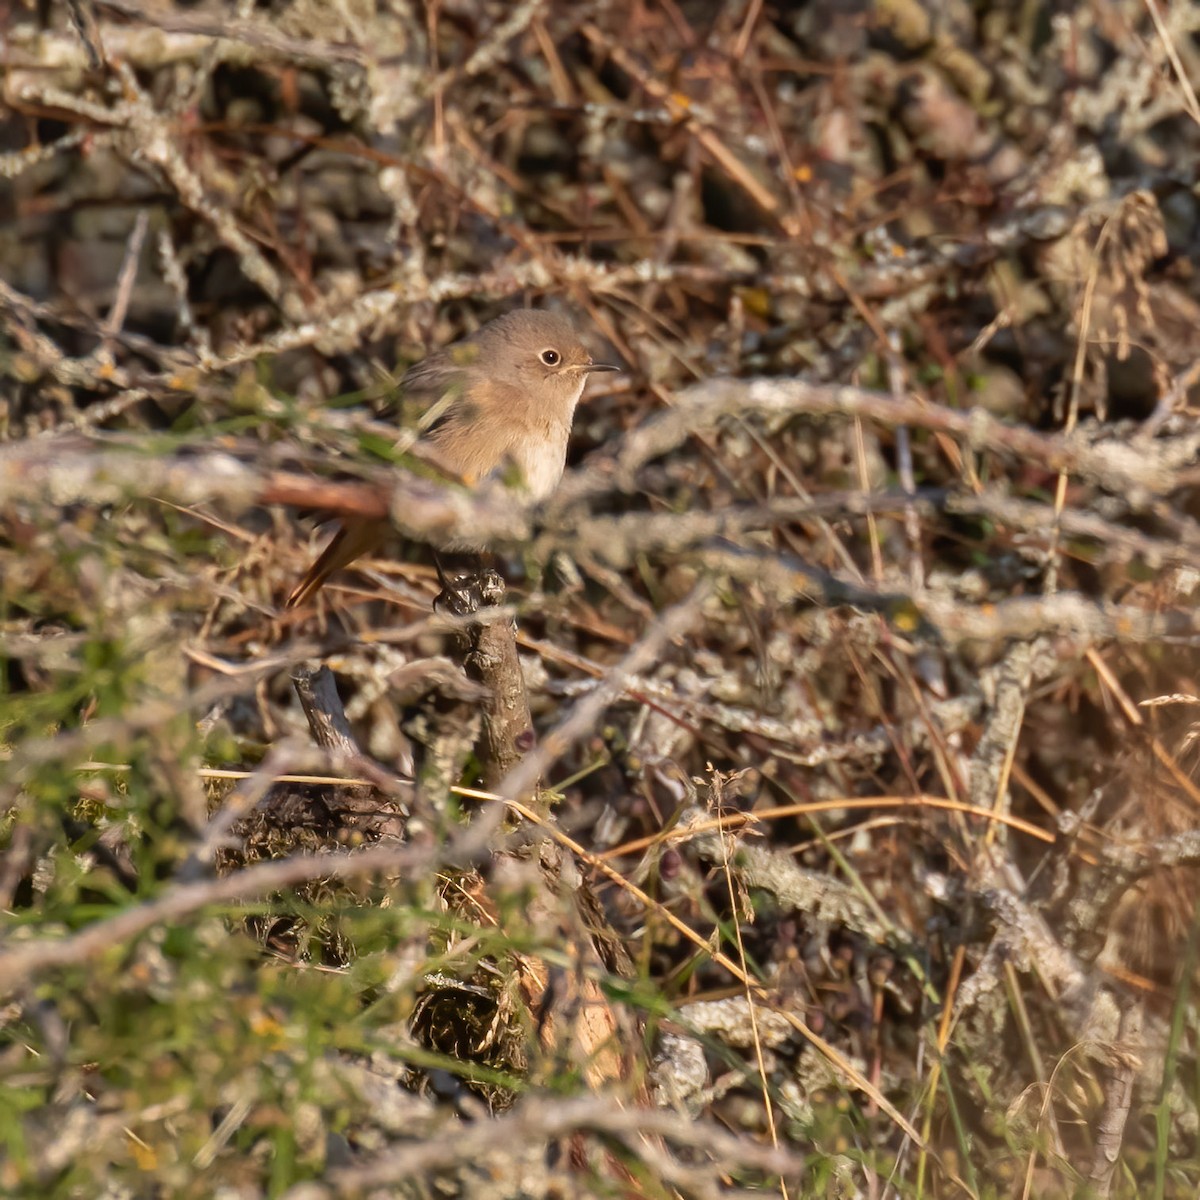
[
  {"x": 492, "y": 588},
  {"x": 468, "y": 583},
  {"x": 458, "y": 597}
]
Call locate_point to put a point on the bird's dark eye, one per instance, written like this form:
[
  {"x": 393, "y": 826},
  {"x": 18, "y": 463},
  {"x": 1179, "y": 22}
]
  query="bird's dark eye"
[{"x": 550, "y": 357}]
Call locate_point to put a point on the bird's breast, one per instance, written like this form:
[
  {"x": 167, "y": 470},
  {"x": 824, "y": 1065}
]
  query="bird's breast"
[
  {"x": 541, "y": 453},
  {"x": 540, "y": 457},
  {"x": 497, "y": 424}
]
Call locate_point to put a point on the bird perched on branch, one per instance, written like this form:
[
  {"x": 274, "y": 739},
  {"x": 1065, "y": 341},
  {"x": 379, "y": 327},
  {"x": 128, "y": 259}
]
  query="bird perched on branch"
[{"x": 502, "y": 398}]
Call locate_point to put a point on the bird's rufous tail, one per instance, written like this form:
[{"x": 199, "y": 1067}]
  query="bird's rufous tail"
[{"x": 353, "y": 539}]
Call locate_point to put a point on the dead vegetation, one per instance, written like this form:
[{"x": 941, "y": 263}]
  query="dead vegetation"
[{"x": 859, "y": 640}]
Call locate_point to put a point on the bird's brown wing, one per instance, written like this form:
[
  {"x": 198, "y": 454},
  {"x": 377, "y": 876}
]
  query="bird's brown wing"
[{"x": 437, "y": 380}]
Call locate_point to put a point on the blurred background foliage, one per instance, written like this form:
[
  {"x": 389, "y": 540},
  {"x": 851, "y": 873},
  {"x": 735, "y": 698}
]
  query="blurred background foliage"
[{"x": 229, "y": 227}]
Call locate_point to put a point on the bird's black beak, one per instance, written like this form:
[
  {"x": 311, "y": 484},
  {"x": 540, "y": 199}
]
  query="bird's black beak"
[{"x": 591, "y": 366}]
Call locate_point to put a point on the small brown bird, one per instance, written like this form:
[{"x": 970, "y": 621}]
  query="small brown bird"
[{"x": 503, "y": 397}]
